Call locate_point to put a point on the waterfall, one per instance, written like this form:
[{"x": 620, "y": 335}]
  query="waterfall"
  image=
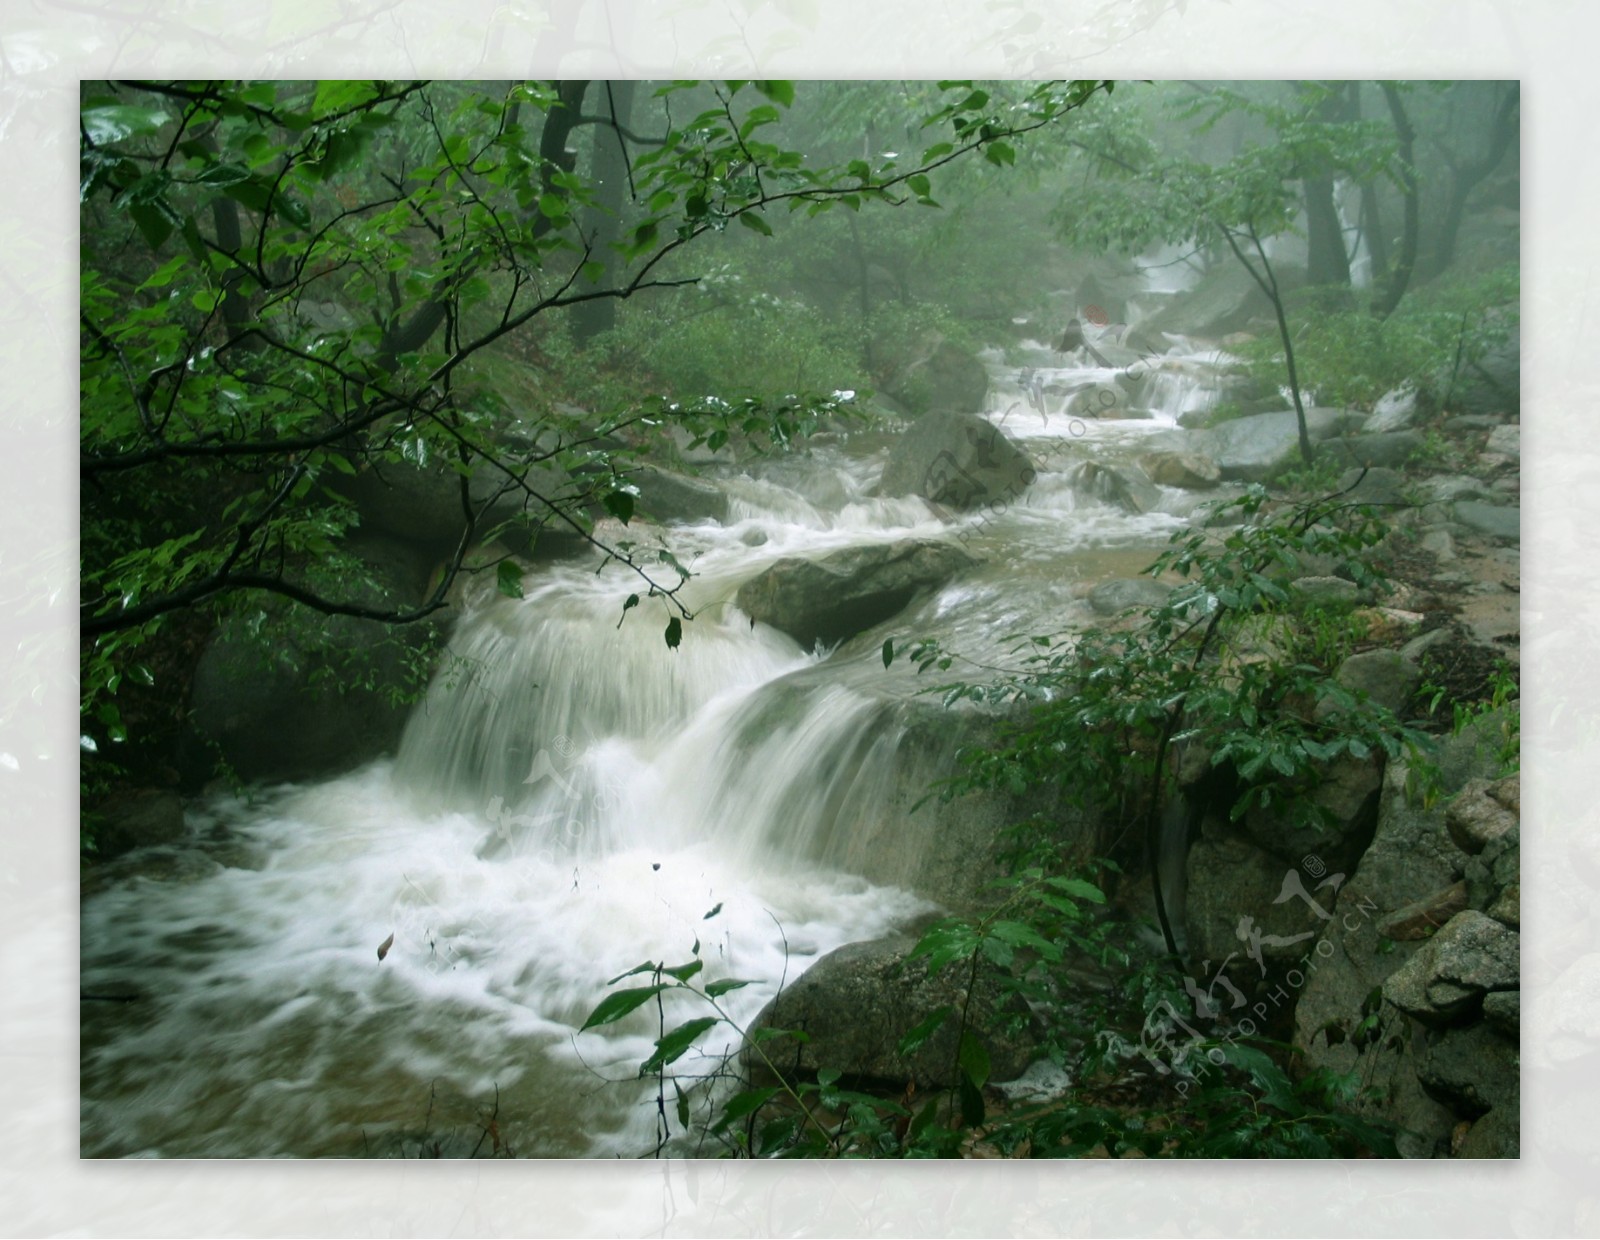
[{"x": 572, "y": 798}]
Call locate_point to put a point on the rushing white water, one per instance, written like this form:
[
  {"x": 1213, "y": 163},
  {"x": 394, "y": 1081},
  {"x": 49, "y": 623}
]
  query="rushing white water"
[{"x": 570, "y": 800}]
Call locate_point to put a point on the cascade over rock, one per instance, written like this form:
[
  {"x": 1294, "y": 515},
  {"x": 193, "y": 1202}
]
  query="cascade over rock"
[
  {"x": 842, "y": 594},
  {"x": 959, "y": 460}
]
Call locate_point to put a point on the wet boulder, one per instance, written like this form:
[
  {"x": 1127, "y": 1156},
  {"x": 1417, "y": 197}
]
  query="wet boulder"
[
  {"x": 1121, "y": 486},
  {"x": 666, "y": 496},
  {"x": 858, "y": 1002},
  {"x": 1117, "y": 595},
  {"x": 1255, "y": 448},
  {"x": 849, "y": 591},
  {"x": 1446, "y": 981},
  {"x": 1188, "y": 470},
  {"x": 940, "y": 376},
  {"x": 959, "y": 460}
]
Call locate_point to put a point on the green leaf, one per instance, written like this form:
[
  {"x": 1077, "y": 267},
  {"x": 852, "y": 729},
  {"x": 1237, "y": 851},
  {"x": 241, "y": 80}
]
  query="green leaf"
[
  {"x": 741, "y": 1105},
  {"x": 683, "y": 972},
  {"x": 723, "y": 985},
  {"x": 619, "y": 1003},
  {"x": 224, "y": 174},
  {"x": 923, "y": 1030},
  {"x": 673, "y": 1047},
  {"x": 778, "y": 92},
  {"x": 154, "y": 224},
  {"x": 620, "y": 505},
  {"x": 163, "y": 275},
  {"x": 683, "y": 1106},
  {"x": 973, "y": 1059},
  {"x": 1000, "y": 154},
  {"x": 115, "y": 122},
  {"x": 1079, "y": 888},
  {"x": 508, "y": 579},
  {"x": 753, "y": 221},
  {"x": 674, "y": 633},
  {"x": 972, "y": 1109},
  {"x": 888, "y": 651}
]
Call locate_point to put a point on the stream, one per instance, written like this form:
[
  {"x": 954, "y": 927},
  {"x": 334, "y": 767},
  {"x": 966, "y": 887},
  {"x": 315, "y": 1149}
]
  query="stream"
[{"x": 571, "y": 799}]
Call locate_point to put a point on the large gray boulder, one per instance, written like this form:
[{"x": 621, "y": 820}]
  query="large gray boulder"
[
  {"x": 1117, "y": 595},
  {"x": 858, "y": 1002},
  {"x": 667, "y": 496},
  {"x": 1256, "y": 448},
  {"x": 958, "y": 460},
  {"x": 1347, "y": 800},
  {"x": 420, "y": 505},
  {"x": 849, "y": 591},
  {"x": 1446, "y": 981},
  {"x": 1225, "y": 300},
  {"x": 1388, "y": 450},
  {"x": 1492, "y": 519},
  {"x": 1121, "y": 486},
  {"x": 1491, "y": 384},
  {"x": 1181, "y": 469},
  {"x": 940, "y": 376},
  {"x": 1342, "y": 1020},
  {"x": 1234, "y": 906},
  {"x": 138, "y": 818}
]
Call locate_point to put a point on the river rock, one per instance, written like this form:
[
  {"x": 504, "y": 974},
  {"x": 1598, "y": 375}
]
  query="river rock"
[
  {"x": 1254, "y": 449},
  {"x": 1491, "y": 519},
  {"x": 1423, "y": 918},
  {"x": 1471, "y": 1070},
  {"x": 1224, "y": 300},
  {"x": 1497, "y": 1135},
  {"x": 1448, "y": 488},
  {"x": 1396, "y": 410},
  {"x": 1410, "y": 860},
  {"x": 1123, "y": 486},
  {"x": 1377, "y": 485},
  {"x": 1446, "y": 980},
  {"x": 1502, "y": 1010},
  {"x": 849, "y": 591},
  {"x": 1346, "y": 799},
  {"x": 138, "y": 818},
  {"x": 958, "y": 460},
  {"x": 1386, "y": 677},
  {"x": 1181, "y": 469},
  {"x": 1234, "y": 906},
  {"x": 1505, "y": 441},
  {"x": 666, "y": 496},
  {"x": 1392, "y": 449},
  {"x": 420, "y": 505},
  {"x": 940, "y": 376},
  {"x": 1493, "y": 383},
  {"x": 857, "y": 1003},
  {"x": 1326, "y": 591},
  {"x": 1476, "y": 817},
  {"x": 1113, "y": 597}
]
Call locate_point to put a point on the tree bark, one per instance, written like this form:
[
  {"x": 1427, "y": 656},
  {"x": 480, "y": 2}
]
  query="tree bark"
[
  {"x": 603, "y": 221},
  {"x": 1394, "y": 288}
]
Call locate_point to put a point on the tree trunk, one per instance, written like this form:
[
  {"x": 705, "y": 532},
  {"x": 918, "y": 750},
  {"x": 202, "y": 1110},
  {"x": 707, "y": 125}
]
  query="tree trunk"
[
  {"x": 1467, "y": 175},
  {"x": 1327, "y": 261},
  {"x": 603, "y": 221},
  {"x": 1394, "y": 288}
]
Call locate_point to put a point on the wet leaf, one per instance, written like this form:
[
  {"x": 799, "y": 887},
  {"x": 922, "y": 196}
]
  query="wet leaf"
[{"x": 383, "y": 947}]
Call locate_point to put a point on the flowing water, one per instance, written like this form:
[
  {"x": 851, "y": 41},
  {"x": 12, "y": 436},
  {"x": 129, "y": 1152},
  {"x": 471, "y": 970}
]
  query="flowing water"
[{"x": 570, "y": 800}]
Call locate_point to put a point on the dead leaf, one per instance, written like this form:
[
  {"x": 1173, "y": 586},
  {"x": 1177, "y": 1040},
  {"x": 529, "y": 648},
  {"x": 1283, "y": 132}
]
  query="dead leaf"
[{"x": 383, "y": 947}]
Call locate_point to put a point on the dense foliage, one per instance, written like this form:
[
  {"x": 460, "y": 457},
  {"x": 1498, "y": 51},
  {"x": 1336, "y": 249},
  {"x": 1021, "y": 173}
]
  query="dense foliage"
[{"x": 288, "y": 288}]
